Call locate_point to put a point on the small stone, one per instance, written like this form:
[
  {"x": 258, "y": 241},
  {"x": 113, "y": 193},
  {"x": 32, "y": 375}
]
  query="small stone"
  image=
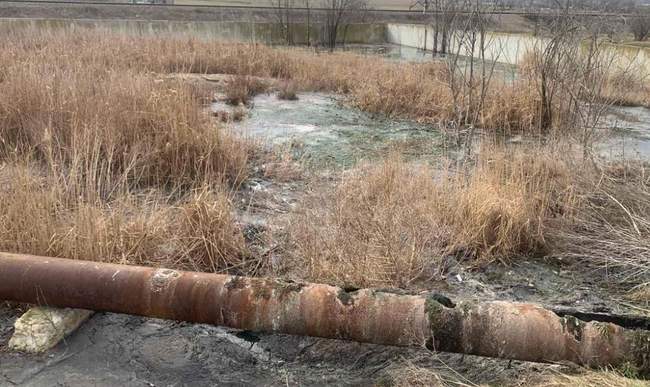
[{"x": 42, "y": 328}]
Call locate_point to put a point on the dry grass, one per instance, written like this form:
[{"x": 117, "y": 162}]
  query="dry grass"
[
  {"x": 411, "y": 375},
  {"x": 39, "y": 214},
  {"x": 591, "y": 379},
  {"x": 374, "y": 229},
  {"x": 605, "y": 77},
  {"x": 641, "y": 294},
  {"x": 103, "y": 161},
  {"x": 612, "y": 227},
  {"x": 241, "y": 88},
  {"x": 418, "y": 91},
  {"x": 235, "y": 115},
  {"x": 628, "y": 87},
  {"x": 101, "y": 125},
  {"x": 414, "y": 376},
  {"x": 153, "y": 132},
  {"x": 393, "y": 223},
  {"x": 406, "y": 373},
  {"x": 288, "y": 91},
  {"x": 423, "y": 92}
]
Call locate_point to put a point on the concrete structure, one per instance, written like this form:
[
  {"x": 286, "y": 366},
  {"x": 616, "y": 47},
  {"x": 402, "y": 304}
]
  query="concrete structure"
[
  {"x": 41, "y": 328},
  {"x": 254, "y": 32}
]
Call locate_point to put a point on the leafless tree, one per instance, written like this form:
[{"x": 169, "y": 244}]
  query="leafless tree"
[
  {"x": 639, "y": 26},
  {"x": 308, "y": 7},
  {"x": 470, "y": 72},
  {"x": 283, "y": 11},
  {"x": 445, "y": 13},
  {"x": 338, "y": 15}
]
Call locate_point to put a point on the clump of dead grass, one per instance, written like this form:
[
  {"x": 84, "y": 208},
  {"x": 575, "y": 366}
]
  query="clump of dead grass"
[
  {"x": 114, "y": 165},
  {"x": 627, "y": 87},
  {"x": 281, "y": 166},
  {"x": 589, "y": 379},
  {"x": 612, "y": 227},
  {"x": 240, "y": 89},
  {"x": 393, "y": 223},
  {"x": 235, "y": 115},
  {"x": 157, "y": 132},
  {"x": 410, "y": 375},
  {"x": 288, "y": 91},
  {"x": 640, "y": 295},
  {"x": 53, "y": 214},
  {"x": 374, "y": 229}
]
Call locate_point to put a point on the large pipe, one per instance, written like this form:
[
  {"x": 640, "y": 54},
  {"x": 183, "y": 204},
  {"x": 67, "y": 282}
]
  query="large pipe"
[{"x": 495, "y": 329}]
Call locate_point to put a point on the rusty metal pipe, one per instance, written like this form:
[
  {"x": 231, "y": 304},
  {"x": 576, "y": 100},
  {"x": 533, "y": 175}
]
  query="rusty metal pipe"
[{"x": 494, "y": 329}]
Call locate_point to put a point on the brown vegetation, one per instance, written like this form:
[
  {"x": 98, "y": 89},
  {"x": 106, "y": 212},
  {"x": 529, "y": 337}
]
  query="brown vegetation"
[
  {"x": 393, "y": 223},
  {"x": 417, "y": 91},
  {"x": 241, "y": 88},
  {"x": 288, "y": 91},
  {"x": 591, "y": 378},
  {"x": 97, "y": 125},
  {"x": 113, "y": 164},
  {"x": 410, "y": 375}
]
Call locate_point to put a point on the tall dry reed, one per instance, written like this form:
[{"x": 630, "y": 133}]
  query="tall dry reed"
[{"x": 393, "y": 224}]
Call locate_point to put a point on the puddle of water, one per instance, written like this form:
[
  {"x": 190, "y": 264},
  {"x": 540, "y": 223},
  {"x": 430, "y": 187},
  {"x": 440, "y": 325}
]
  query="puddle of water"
[
  {"x": 630, "y": 136},
  {"x": 392, "y": 51},
  {"x": 399, "y": 53},
  {"x": 323, "y": 132}
]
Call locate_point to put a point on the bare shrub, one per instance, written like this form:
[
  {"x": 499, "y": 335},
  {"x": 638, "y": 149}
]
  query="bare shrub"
[
  {"x": 338, "y": 14},
  {"x": 639, "y": 26}
]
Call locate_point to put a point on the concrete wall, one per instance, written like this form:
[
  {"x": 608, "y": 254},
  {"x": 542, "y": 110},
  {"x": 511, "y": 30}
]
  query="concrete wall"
[
  {"x": 511, "y": 48},
  {"x": 501, "y": 47},
  {"x": 269, "y": 33}
]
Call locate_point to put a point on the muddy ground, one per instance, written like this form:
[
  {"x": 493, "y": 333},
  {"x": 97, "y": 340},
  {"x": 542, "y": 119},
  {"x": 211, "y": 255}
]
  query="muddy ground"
[
  {"x": 113, "y": 349},
  {"x": 121, "y": 350}
]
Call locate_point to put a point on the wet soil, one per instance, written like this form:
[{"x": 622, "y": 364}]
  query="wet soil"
[
  {"x": 113, "y": 349},
  {"x": 8, "y": 314},
  {"x": 629, "y": 134}
]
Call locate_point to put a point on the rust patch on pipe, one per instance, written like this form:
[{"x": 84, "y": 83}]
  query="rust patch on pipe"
[{"x": 495, "y": 329}]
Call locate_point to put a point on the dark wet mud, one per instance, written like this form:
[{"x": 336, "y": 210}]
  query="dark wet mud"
[{"x": 120, "y": 350}]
